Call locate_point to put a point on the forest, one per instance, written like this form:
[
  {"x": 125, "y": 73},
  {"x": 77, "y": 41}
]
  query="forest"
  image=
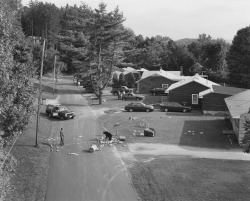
[
  {"x": 95, "y": 40},
  {"x": 69, "y": 33}
]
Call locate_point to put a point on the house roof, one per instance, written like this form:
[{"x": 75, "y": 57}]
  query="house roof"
[
  {"x": 167, "y": 74},
  {"x": 221, "y": 90},
  {"x": 142, "y": 69},
  {"x": 128, "y": 70},
  {"x": 196, "y": 78},
  {"x": 238, "y": 104}
]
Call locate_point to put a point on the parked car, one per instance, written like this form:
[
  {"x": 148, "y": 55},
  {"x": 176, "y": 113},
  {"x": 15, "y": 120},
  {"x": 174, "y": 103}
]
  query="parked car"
[
  {"x": 59, "y": 111},
  {"x": 174, "y": 107},
  {"x": 132, "y": 96},
  {"x": 139, "y": 107},
  {"x": 158, "y": 91}
]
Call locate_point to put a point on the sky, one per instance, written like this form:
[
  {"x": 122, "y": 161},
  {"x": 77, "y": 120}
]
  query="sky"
[{"x": 176, "y": 19}]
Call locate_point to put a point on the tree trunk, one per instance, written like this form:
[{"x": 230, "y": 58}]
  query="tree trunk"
[{"x": 100, "y": 96}]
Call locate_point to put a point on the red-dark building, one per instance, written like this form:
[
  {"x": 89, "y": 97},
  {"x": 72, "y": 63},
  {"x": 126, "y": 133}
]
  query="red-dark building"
[
  {"x": 213, "y": 99},
  {"x": 157, "y": 79},
  {"x": 187, "y": 91}
]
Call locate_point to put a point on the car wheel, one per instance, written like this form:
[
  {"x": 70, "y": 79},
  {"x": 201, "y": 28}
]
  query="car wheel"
[
  {"x": 50, "y": 115},
  {"x": 184, "y": 110},
  {"x": 166, "y": 110},
  {"x": 137, "y": 99},
  {"x": 124, "y": 99},
  {"x": 147, "y": 110},
  {"x": 72, "y": 117},
  {"x": 154, "y": 94},
  {"x": 130, "y": 110},
  {"x": 62, "y": 118}
]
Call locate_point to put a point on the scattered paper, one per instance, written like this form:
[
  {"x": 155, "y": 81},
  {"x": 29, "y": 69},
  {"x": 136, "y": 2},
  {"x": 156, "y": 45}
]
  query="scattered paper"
[{"x": 73, "y": 154}]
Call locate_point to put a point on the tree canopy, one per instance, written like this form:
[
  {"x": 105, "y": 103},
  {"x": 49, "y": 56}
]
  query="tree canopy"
[
  {"x": 16, "y": 70},
  {"x": 238, "y": 59}
]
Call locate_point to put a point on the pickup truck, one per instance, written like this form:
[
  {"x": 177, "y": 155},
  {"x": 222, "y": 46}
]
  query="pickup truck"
[
  {"x": 158, "y": 91},
  {"x": 59, "y": 111}
]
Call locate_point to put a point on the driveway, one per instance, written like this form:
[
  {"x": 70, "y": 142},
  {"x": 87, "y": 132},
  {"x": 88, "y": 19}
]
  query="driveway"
[{"x": 74, "y": 173}]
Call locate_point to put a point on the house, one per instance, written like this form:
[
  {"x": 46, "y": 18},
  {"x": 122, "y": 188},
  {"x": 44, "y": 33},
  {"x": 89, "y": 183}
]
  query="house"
[
  {"x": 156, "y": 79},
  {"x": 238, "y": 106},
  {"x": 213, "y": 99},
  {"x": 187, "y": 90}
]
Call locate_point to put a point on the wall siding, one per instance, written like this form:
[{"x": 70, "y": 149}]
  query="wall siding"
[
  {"x": 184, "y": 94},
  {"x": 146, "y": 84},
  {"x": 214, "y": 102}
]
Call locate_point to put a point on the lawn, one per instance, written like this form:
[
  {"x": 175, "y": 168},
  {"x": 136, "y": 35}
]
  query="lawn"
[
  {"x": 191, "y": 179},
  {"x": 180, "y": 177}
]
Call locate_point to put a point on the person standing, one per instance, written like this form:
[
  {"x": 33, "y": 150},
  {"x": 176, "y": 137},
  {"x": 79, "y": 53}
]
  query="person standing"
[{"x": 62, "y": 137}]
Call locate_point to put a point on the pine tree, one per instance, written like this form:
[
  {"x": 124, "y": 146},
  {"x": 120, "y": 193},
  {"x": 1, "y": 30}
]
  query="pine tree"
[
  {"x": 107, "y": 37},
  {"x": 238, "y": 59}
]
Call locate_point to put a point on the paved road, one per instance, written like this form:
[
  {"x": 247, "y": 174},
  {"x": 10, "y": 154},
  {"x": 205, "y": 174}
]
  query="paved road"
[{"x": 98, "y": 176}]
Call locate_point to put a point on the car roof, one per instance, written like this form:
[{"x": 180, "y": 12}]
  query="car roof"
[{"x": 54, "y": 105}]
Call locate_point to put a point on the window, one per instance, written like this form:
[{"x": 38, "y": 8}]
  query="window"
[
  {"x": 176, "y": 105},
  {"x": 195, "y": 99},
  {"x": 164, "y": 86}
]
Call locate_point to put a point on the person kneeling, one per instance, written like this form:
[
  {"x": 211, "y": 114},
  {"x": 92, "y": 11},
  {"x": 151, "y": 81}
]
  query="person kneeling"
[{"x": 108, "y": 135}]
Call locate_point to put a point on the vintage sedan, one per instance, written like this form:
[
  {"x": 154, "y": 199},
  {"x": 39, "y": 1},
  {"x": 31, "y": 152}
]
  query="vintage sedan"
[
  {"x": 59, "y": 111},
  {"x": 132, "y": 96},
  {"x": 139, "y": 107},
  {"x": 174, "y": 107}
]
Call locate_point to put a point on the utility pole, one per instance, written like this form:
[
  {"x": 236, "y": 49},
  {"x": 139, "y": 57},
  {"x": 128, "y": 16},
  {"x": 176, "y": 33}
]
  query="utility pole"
[
  {"x": 39, "y": 97},
  {"x": 54, "y": 75}
]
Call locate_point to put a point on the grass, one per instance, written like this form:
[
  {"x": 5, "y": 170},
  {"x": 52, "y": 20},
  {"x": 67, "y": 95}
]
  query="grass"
[
  {"x": 30, "y": 178},
  {"x": 171, "y": 128},
  {"x": 190, "y": 179},
  {"x": 181, "y": 178}
]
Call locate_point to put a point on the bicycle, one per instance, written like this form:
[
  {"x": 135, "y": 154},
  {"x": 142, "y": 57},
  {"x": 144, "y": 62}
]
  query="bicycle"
[{"x": 144, "y": 123}]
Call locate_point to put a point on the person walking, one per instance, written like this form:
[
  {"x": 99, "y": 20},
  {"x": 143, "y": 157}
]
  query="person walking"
[{"x": 62, "y": 137}]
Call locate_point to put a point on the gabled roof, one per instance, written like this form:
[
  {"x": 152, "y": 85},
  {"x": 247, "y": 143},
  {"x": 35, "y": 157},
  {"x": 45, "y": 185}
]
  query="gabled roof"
[
  {"x": 142, "y": 69},
  {"x": 128, "y": 70},
  {"x": 221, "y": 90},
  {"x": 166, "y": 74},
  {"x": 238, "y": 104},
  {"x": 196, "y": 78}
]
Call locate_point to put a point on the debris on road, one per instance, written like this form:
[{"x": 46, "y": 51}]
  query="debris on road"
[
  {"x": 132, "y": 118},
  {"x": 122, "y": 138},
  {"x": 94, "y": 147},
  {"x": 73, "y": 154}
]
